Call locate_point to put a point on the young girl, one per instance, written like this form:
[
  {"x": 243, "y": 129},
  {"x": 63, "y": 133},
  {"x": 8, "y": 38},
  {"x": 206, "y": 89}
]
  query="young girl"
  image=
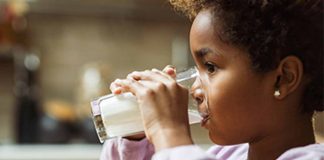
[{"x": 260, "y": 81}]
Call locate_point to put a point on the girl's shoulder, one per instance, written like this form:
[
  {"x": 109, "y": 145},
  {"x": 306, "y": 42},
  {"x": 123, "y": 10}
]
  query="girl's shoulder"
[
  {"x": 230, "y": 152},
  {"x": 239, "y": 151},
  {"x": 313, "y": 151}
]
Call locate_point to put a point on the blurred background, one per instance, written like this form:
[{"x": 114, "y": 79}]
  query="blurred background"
[{"x": 58, "y": 55}]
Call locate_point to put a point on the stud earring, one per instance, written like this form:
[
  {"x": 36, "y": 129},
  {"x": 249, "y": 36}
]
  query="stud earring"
[
  {"x": 277, "y": 90},
  {"x": 277, "y": 93}
]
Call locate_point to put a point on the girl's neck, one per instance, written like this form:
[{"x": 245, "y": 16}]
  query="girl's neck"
[{"x": 296, "y": 134}]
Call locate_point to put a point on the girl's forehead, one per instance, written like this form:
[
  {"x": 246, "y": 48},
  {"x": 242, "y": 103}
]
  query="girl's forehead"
[
  {"x": 206, "y": 23},
  {"x": 203, "y": 17},
  {"x": 203, "y": 21},
  {"x": 205, "y": 33},
  {"x": 202, "y": 27}
]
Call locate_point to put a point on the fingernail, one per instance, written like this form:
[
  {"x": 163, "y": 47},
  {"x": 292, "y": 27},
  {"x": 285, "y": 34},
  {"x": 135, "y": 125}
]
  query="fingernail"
[
  {"x": 168, "y": 69},
  {"x": 117, "y": 91}
]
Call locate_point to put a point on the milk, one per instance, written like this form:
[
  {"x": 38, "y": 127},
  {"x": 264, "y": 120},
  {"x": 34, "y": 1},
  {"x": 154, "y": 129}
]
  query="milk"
[{"x": 121, "y": 115}]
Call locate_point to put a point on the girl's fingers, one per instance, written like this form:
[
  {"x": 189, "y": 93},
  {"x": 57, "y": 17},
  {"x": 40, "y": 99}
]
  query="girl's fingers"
[
  {"x": 153, "y": 75},
  {"x": 170, "y": 70},
  {"x": 121, "y": 85},
  {"x": 128, "y": 85},
  {"x": 162, "y": 73},
  {"x": 140, "y": 87},
  {"x": 166, "y": 76},
  {"x": 115, "y": 87}
]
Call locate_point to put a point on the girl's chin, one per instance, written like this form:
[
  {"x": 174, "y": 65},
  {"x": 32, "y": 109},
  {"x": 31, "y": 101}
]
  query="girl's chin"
[
  {"x": 215, "y": 137},
  {"x": 219, "y": 140}
]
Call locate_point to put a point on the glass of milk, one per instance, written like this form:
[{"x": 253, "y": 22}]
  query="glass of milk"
[{"x": 119, "y": 115}]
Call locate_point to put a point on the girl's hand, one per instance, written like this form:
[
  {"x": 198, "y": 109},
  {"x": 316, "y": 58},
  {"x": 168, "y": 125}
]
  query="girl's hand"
[{"x": 163, "y": 104}]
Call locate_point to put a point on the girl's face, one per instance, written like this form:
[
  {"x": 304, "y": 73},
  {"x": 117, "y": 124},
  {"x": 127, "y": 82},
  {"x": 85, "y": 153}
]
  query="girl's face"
[{"x": 239, "y": 100}]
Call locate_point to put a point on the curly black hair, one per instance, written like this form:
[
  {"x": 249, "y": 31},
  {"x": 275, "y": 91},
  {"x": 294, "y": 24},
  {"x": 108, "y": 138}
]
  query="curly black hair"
[{"x": 271, "y": 30}]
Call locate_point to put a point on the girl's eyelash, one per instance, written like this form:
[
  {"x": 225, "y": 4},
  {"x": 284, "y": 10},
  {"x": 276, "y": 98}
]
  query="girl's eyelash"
[{"x": 210, "y": 67}]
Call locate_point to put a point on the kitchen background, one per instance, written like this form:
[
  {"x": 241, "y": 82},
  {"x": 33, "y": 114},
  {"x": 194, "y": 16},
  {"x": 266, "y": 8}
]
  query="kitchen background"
[{"x": 57, "y": 55}]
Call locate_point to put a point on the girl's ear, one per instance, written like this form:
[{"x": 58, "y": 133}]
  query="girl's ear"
[{"x": 289, "y": 76}]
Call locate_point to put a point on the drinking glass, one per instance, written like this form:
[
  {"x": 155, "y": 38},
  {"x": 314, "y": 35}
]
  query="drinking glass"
[{"x": 119, "y": 115}]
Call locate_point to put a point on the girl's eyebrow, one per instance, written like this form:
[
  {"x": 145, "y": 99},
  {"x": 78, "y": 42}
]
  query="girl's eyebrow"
[{"x": 204, "y": 51}]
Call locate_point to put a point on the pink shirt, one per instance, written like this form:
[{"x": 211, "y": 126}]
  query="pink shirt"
[{"x": 123, "y": 149}]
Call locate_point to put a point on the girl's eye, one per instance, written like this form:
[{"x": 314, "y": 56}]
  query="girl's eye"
[{"x": 211, "y": 68}]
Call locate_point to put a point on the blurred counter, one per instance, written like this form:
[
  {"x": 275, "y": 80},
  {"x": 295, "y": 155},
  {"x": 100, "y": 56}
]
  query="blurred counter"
[
  {"x": 50, "y": 152},
  {"x": 54, "y": 152}
]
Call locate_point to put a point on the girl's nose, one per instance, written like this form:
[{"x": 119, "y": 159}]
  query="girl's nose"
[{"x": 196, "y": 91}]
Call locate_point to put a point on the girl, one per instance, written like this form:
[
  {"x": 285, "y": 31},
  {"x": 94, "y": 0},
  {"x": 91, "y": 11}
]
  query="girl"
[{"x": 260, "y": 82}]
